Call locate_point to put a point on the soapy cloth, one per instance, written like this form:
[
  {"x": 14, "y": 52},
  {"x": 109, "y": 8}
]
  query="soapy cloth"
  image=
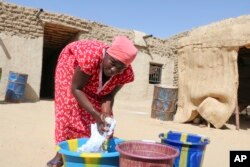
[{"x": 94, "y": 144}]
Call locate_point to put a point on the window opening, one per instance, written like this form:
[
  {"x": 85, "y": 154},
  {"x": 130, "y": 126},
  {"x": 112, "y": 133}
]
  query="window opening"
[{"x": 155, "y": 73}]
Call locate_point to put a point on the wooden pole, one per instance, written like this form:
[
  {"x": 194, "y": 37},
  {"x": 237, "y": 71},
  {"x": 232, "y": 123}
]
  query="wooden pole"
[{"x": 237, "y": 115}]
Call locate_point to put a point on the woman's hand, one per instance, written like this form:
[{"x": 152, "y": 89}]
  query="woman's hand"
[{"x": 100, "y": 120}]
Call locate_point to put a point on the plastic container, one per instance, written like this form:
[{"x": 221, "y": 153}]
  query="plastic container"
[
  {"x": 164, "y": 102},
  {"x": 16, "y": 87},
  {"x": 71, "y": 158},
  {"x": 191, "y": 146},
  {"x": 146, "y": 154}
]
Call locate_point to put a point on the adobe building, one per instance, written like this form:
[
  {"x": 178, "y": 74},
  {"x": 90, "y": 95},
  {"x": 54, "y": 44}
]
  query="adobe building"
[
  {"x": 31, "y": 40},
  {"x": 210, "y": 64},
  {"x": 214, "y": 71}
]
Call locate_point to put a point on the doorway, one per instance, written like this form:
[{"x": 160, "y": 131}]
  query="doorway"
[
  {"x": 244, "y": 78},
  {"x": 56, "y": 37}
]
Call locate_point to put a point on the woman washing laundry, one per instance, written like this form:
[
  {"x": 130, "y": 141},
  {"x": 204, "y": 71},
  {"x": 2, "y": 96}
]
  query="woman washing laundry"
[{"x": 88, "y": 75}]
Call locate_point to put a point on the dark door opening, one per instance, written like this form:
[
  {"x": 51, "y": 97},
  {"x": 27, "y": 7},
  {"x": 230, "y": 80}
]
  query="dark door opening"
[
  {"x": 244, "y": 78},
  {"x": 50, "y": 56},
  {"x": 56, "y": 37}
]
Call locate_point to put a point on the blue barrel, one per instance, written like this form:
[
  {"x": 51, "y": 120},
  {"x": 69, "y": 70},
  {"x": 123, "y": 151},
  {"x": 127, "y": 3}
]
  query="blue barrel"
[
  {"x": 191, "y": 147},
  {"x": 72, "y": 158},
  {"x": 16, "y": 87}
]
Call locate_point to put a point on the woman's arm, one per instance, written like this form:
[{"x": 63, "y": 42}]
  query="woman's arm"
[
  {"x": 108, "y": 101},
  {"x": 79, "y": 80}
]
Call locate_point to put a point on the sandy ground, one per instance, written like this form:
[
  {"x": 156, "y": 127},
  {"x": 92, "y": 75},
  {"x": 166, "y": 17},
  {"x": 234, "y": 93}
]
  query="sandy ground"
[{"x": 27, "y": 132}]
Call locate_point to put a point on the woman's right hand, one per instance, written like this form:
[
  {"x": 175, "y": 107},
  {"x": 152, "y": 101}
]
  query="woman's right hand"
[
  {"x": 100, "y": 120},
  {"x": 101, "y": 124}
]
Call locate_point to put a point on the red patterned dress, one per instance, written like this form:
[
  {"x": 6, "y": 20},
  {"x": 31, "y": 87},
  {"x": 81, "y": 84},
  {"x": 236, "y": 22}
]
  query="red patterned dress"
[{"x": 72, "y": 121}]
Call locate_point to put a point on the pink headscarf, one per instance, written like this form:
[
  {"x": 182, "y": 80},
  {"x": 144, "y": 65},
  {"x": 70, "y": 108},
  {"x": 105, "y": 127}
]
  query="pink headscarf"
[{"x": 123, "y": 50}]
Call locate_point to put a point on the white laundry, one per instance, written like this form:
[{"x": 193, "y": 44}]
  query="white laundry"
[
  {"x": 110, "y": 124},
  {"x": 96, "y": 140}
]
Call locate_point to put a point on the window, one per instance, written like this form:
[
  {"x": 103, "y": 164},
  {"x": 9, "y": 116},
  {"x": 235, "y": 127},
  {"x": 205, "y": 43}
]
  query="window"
[{"x": 155, "y": 73}]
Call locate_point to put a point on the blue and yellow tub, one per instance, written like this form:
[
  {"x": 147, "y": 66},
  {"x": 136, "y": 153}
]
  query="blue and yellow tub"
[
  {"x": 191, "y": 147},
  {"x": 72, "y": 158}
]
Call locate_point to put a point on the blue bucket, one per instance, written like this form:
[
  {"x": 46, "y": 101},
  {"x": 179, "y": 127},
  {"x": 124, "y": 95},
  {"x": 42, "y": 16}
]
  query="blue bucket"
[
  {"x": 191, "y": 147},
  {"x": 72, "y": 158},
  {"x": 16, "y": 87}
]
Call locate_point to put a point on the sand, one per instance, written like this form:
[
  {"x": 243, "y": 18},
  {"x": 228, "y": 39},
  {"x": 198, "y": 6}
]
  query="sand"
[{"x": 27, "y": 132}]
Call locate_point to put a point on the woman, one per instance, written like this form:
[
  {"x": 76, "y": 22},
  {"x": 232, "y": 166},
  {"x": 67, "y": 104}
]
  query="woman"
[{"x": 88, "y": 75}]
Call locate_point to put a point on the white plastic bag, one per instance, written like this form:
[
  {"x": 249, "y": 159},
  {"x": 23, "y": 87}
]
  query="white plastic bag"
[{"x": 94, "y": 144}]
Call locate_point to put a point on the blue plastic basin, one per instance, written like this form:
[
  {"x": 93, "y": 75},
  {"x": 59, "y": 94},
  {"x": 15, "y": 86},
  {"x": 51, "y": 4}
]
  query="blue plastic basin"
[{"x": 72, "y": 158}]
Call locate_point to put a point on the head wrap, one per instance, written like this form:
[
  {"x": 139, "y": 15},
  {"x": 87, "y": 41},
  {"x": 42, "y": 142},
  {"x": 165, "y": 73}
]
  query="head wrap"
[{"x": 123, "y": 50}]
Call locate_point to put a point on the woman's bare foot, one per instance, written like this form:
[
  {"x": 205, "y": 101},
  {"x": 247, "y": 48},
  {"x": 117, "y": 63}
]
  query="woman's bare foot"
[{"x": 57, "y": 161}]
